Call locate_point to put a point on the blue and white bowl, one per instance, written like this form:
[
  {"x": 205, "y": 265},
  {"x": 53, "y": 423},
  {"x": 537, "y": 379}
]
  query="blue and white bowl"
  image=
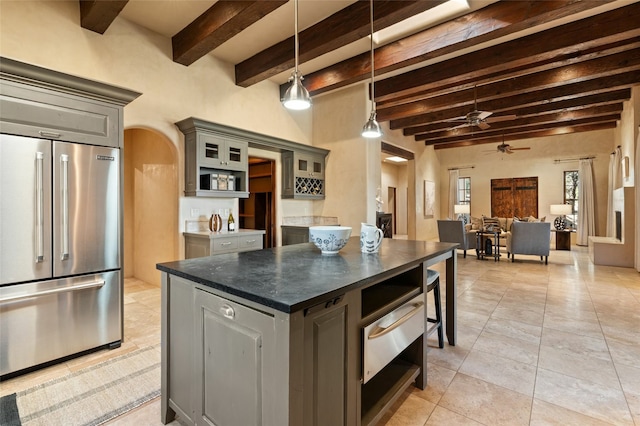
[{"x": 329, "y": 239}]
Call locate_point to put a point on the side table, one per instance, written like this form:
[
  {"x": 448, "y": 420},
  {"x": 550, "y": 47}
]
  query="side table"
[
  {"x": 481, "y": 238},
  {"x": 563, "y": 239}
]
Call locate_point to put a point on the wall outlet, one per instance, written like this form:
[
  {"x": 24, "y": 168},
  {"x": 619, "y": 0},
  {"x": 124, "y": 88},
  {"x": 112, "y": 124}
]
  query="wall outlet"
[{"x": 195, "y": 212}]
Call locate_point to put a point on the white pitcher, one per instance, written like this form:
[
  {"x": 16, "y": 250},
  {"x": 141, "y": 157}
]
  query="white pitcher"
[{"x": 370, "y": 238}]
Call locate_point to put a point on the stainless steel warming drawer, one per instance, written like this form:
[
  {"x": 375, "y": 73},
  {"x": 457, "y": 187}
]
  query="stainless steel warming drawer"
[{"x": 387, "y": 337}]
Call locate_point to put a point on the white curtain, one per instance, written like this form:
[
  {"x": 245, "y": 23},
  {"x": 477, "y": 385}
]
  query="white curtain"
[
  {"x": 586, "y": 202},
  {"x": 453, "y": 191},
  {"x": 611, "y": 220}
]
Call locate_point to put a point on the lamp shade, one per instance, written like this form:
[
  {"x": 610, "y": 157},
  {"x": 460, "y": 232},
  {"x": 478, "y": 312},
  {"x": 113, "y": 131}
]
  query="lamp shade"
[
  {"x": 560, "y": 209},
  {"x": 461, "y": 208},
  {"x": 297, "y": 96}
]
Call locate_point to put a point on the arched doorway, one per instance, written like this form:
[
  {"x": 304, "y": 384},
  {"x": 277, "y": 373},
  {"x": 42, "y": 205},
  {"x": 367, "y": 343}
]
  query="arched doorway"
[{"x": 150, "y": 204}]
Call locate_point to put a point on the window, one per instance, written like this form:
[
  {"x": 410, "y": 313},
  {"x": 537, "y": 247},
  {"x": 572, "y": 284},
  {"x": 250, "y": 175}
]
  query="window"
[
  {"x": 571, "y": 196},
  {"x": 464, "y": 190}
]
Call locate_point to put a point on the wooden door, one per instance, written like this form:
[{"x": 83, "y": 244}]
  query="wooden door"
[{"x": 514, "y": 197}]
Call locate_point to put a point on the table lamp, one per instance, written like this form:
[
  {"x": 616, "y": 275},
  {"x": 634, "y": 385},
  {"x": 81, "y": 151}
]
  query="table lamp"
[
  {"x": 560, "y": 210},
  {"x": 462, "y": 210}
]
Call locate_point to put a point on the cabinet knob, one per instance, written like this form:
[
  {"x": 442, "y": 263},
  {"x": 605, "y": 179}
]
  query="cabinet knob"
[{"x": 227, "y": 311}]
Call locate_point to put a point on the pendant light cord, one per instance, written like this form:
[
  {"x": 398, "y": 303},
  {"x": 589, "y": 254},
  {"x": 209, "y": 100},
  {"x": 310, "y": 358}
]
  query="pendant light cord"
[
  {"x": 296, "y": 52},
  {"x": 373, "y": 108}
]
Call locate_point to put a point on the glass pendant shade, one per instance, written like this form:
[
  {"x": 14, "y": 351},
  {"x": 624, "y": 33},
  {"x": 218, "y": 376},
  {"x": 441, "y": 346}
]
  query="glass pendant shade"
[
  {"x": 296, "y": 97},
  {"x": 372, "y": 128}
]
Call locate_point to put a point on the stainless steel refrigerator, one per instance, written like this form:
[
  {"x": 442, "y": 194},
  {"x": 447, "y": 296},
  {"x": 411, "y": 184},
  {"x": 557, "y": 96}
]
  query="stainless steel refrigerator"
[{"x": 60, "y": 242}]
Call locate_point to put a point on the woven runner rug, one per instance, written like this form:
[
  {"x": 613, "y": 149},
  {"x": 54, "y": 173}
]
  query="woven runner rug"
[{"x": 91, "y": 396}]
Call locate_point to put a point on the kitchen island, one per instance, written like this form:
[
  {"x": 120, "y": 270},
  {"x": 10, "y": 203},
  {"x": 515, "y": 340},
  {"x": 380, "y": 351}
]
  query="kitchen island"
[{"x": 277, "y": 336}]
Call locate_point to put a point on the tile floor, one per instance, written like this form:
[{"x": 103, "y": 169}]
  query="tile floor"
[{"x": 555, "y": 344}]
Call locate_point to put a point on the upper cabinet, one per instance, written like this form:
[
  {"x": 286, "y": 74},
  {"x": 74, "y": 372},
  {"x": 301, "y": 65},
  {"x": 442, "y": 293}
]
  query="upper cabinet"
[
  {"x": 220, "y": 153},
  {"x": 46, "y": 104},
  {"x": 216, "y": 161},
  {"x": 303, "y": 174}
]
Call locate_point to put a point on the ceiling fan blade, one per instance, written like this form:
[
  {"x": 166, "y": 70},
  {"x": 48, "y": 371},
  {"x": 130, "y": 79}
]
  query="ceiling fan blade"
[
  {"x": 501, "y": 118},
  {"x": 508, "y": 151},
  {"x": 483, "y": 114},
  {"x": 519, "y": 149},
  {"x": 483, "y": 125},
  {"x": 460, "y": 126}
]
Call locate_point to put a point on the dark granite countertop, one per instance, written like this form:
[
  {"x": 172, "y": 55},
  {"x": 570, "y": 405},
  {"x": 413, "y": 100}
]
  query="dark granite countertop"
[{"x": 298, "y": 276}]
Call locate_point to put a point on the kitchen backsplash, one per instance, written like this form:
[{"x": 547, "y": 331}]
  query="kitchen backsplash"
[{"x": 309, "y": 220}]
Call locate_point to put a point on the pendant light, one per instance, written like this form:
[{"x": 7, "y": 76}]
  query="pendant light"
[
  {"x": 372, "y": 128},
  {"x": 296, "y": 97}
]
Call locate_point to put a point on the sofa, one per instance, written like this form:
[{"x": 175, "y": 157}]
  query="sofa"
[
  {"x": 530, "y": 238},
  {"x": 453, "y": 231}
]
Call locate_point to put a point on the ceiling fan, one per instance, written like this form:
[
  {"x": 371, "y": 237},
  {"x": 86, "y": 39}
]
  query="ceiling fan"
[
  {"x": 479, "y": 118},
  {"x": 505, "y": 148}
]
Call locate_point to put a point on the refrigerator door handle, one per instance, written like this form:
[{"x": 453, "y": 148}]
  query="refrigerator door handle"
[
  {"x": 64, "y": 183},
  {"x": 39, "y": 208},
  {"x": 83, "y": 286}
]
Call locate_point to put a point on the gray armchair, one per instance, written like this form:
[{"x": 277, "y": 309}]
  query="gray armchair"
[
  {"x": 532, "y": 238},
  {"x": 453, "y": 231}
]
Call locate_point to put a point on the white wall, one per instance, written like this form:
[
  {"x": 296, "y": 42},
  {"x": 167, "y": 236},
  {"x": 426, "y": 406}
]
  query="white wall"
[{"x": 538, "y": 161}]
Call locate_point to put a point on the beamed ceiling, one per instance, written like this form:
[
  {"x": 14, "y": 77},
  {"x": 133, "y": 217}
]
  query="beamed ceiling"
[{"x": 541, "y": 68}]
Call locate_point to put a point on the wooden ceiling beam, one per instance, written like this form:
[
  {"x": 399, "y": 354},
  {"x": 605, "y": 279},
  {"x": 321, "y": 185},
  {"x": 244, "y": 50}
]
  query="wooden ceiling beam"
[
  {"x": 543, "y": 49},
  {"x": 558, "y": 77},
  {"x": 553, "y": 117},
  {"x": 569, "y": 91},
  {"x": 496, "y": 20},
  {"x": 527, "y": 129},
  {"x": 442, "y": 119},
  {"x": 345, "y": 26},
  {"x": 218, "y": 24},
  {"x": 97, "y": 15},
  {"x": 531, "y": 134}
]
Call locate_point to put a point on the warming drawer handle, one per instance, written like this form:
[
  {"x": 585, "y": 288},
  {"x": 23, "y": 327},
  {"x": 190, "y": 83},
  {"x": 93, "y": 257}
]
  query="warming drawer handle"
[
  {"x": 84, "y": 286},
  {"x": 39, "y": 207},
  {"x": 380, "y": 331},
  {"x": 64, "y": 187}
]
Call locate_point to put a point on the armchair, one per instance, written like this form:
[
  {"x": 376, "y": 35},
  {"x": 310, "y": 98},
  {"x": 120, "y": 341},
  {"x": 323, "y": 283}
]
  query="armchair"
[
  {"x": 532, "y": 238},
  {"x": 453, "y": 231}
]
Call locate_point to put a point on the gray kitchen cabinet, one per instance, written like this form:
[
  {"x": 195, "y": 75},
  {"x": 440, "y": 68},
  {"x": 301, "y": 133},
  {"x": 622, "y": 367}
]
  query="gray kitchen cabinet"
[
  {"x": 303, "y": 175},
  {"x": 223, "y": 154},
  {"x": 233, "y": 352},
  {"x": 33, "y": 111},
  {"x": 201, "y": 244},
  {"x": 263, "y": 321},
  {"x": 216, "y": 164}
]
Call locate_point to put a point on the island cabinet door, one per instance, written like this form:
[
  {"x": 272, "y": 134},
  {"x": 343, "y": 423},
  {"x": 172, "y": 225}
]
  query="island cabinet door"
[{"x": 232, "y": 351}]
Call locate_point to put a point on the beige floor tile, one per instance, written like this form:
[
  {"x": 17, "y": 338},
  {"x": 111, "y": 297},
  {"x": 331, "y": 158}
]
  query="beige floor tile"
[
  {"x": 583, "y": 396},
  {"x": 507, "y": 347},
  {"x": 500, "y": 371},
  {"x": 442, "y": 416},
  {"x": 438, "y": 380},
  {"x": 630, "y": 378},
  {"x": 485, "y": 402},
  {"x": 623, "y": 352},
  {"x": 545, "y": 414},
  {"x": 450, "y": 357},
  {"x": 634, "y": 405},
  {"x": 579, "y": 365},
  {"x": 518, "y": 313},
  {"x": 515, "y": 329},
  {"x": 408, "y": 411},
  {"x": 574, "y": 343}
]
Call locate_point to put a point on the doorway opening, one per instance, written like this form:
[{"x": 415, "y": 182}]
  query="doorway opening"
[
  {"x": 259, "y": 210},
  {"x": 150, "y": 203}
]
